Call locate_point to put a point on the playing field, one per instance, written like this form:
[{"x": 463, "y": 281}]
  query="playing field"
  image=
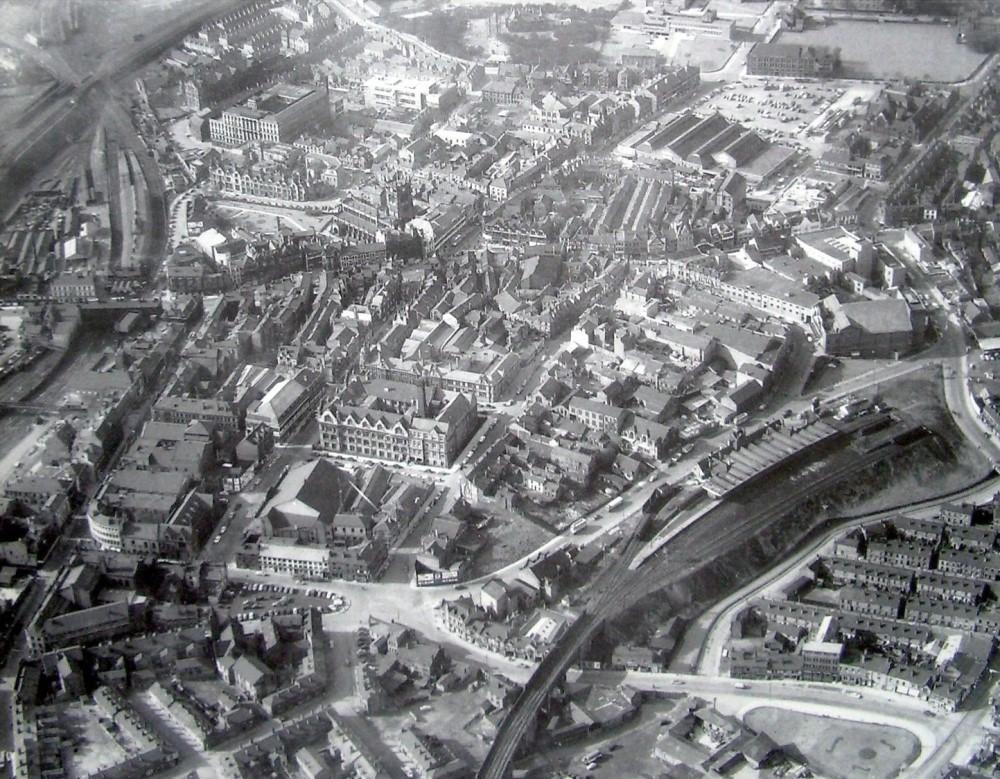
[
  {"x": 839, "y": 749},
  {"x": 893, "y": 50}
]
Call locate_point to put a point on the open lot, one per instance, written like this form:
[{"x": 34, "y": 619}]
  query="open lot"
[
  {"x": 920, "y": 395},
  {"x": 838, "y": 748},
  {"x": 510, "y": 541},
  {"x": 256, "y": 217},
  {"x": 706, "y": 52},
  {"x": 894, "y": 50}
]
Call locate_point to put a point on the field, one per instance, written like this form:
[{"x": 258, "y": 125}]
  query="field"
[
  {"x": 839, "y": 749},
  {"x": 709, "y": 54},
  {"x": 893, "y": 50}
]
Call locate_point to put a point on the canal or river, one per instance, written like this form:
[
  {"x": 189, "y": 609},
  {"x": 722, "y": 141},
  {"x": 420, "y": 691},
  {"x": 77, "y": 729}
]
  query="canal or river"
[{"x": 892, "y": 50}]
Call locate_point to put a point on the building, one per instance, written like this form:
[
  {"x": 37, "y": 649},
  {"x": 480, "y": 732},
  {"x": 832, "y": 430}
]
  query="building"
[
  {"x": 597, "y": 415},
  {"x": 873, "y": 603},
  {"x": 821, "y": 660},
  {"x": 267, "y": 181},
  {"x": 869, "y": 328},
  {"x": 485, "y": 378},
  {"x": 410, "y": 94},
  {"x": 371, "y": 431},
  {"x": 869, "y": 575},
  {"x": 430, "y": 756},
  {"x": 950, "y": 587},
  {"x": 278, "y": 114},
  {"x": 792, "y": 61},
  {"x": 666, "y": 25},
  {"x": 756, "y": 287},
  {"x": 502, "y": 92},
  {"x": 902, "y": 554},
  {"x": 838, "y": 249},
  {"x": 957, "y": 514},
  {"x": 73, "y": 286},
  {"x": 219, "y": 413},
  {"x": 288, "y": 403},
  {"x": 93, "y": 624},
  {"x": 312, "y": 527}
]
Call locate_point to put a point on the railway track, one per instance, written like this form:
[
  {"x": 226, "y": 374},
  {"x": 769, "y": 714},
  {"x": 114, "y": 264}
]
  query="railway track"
[
  {"x": 525, "y": 709},
  {"x": 618, "y": 588}
]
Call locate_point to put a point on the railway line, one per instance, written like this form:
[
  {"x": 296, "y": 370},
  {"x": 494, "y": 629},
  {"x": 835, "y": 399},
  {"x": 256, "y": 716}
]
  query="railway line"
[
  {"x": 610, "y": 582},
  {"x": 719, "y": 532},
  {"x": 70, "y": 109}
]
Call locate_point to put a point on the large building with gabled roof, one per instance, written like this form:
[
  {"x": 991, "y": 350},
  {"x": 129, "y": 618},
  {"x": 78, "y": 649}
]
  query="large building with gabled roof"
[
  {"x": 370, "y": 430},
  {"x": 872, "y": 328},
  {"x": 317, "y": 526}
]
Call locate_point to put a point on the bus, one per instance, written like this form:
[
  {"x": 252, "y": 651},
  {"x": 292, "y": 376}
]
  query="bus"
[{"x": 578, "y": 526}]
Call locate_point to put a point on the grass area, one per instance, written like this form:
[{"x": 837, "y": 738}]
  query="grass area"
[
  {"x": 920, "y": 396},
  {"x": 511, "y": 537},
  {"x": 836, "y": 748},
  {"x": 444, "y": 30},
  {"x": 576, "y": 38}
]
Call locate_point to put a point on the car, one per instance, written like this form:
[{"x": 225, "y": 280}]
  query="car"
[{"x": 217, "y": 539}]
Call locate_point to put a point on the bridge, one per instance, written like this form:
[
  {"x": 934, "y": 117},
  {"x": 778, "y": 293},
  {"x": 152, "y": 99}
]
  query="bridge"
[
  {"x": 603, "y": 602},
  {"x": 39, "y": 408}
]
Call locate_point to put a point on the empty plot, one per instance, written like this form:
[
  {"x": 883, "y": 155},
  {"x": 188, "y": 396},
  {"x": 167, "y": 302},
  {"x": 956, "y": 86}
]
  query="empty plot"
[{"x": 840, "y": 749}]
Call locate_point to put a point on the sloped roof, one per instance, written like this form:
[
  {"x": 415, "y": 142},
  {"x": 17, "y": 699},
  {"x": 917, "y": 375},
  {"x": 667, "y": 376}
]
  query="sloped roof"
[{"x": 309, "y": 493}]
